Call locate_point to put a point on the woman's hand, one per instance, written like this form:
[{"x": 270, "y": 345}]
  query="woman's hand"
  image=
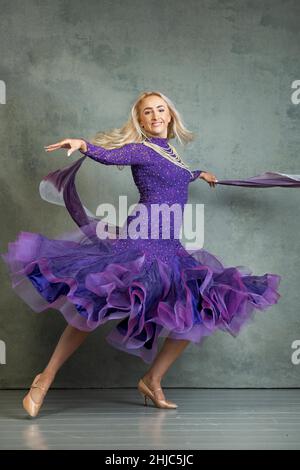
[
  {"x": 71, "y": 144},
  {"x": 210, "y": 178}
]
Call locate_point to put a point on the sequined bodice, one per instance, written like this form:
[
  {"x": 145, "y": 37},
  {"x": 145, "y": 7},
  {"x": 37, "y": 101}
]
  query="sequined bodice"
[{"x": 159, "y": 180}]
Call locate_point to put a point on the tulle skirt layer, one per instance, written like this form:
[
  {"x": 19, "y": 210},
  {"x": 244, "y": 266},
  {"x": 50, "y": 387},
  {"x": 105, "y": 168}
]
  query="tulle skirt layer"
[{"x": 189, "y": 296}]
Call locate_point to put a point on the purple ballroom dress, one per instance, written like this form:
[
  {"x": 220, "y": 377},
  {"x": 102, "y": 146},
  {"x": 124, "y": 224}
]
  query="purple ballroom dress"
[{"x": 153, "y": 286}]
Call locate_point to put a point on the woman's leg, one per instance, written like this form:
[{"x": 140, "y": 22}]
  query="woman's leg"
[
  {"x": 69, "y": 341},
  {"x": 171, "y": 350}
]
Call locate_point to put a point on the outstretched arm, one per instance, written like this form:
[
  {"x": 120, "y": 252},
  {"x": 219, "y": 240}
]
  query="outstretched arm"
[
  {"x": 210, "y": 178},
  {"x": 196, "y": 174},
  {"x": 129, "y": 154}
]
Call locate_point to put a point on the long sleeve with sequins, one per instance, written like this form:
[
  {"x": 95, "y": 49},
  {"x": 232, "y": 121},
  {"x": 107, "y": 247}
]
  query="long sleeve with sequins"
[{"x": 128, "y": 154}]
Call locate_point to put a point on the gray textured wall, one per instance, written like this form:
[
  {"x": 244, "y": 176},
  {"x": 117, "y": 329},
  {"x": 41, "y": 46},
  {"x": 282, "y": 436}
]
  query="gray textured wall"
[{"x": 75, "y": 67}]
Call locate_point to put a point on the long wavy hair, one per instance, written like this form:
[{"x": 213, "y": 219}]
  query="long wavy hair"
[{"x": 131, "y": 131}]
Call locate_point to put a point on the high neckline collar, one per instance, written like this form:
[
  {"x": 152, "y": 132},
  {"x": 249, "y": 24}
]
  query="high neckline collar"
[{"x": 158, "y": 140}]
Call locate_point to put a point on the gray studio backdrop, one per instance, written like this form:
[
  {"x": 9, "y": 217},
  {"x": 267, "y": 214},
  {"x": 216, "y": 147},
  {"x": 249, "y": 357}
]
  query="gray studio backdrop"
[{"x": 72, "y": 68}]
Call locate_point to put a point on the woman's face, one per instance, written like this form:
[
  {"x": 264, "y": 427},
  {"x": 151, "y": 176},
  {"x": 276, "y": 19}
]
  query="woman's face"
[{"x": 154, "y": 116}]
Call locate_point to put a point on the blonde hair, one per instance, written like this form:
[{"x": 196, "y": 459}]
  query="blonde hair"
[{"x": 131, "y": 131}]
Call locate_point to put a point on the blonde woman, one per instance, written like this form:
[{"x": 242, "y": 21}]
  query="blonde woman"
[{"x": 153, "y": 285}]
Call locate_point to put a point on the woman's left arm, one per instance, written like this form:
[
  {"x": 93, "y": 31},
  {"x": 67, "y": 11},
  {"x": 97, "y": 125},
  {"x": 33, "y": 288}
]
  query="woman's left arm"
[
  {"x": 210, "y": 178},
  {"x": 196, "y": 174}
]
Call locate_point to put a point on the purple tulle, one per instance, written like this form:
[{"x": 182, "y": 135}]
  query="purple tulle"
[
  {"x": 189, "y": 298},
  {"x": 155, "y": 288}
]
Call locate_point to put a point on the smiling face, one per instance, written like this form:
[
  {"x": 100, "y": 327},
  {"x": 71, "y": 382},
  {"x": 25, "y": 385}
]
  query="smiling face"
[{"x": 154, "y": 116}]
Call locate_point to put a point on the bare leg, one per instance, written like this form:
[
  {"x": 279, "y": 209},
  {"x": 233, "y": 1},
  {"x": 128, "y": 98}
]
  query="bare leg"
[
  {"x": 69, "y": 341},
  {"x": 172, "y": 348}
]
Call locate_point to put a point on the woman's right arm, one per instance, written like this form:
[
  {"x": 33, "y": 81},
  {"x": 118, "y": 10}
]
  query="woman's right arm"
[{"x": 128, "y": 154}]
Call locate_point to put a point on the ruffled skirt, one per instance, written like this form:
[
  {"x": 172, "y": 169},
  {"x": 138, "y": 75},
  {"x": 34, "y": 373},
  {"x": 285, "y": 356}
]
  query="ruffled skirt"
[{"x": 185, "y": 295}]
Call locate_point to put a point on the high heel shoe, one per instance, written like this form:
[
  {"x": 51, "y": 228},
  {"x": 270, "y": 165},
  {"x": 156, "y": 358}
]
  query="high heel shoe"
[
  {"x": 147, "y": 393},
  {"x": 31, "y": 406}
]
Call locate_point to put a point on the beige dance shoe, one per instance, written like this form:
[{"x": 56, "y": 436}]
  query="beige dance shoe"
[
  {"x": 31, "y": 406},
  {"x": 147, "y": 393}
]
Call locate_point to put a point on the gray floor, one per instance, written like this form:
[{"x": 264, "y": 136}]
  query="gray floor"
[{"x": 117, "y": 419}]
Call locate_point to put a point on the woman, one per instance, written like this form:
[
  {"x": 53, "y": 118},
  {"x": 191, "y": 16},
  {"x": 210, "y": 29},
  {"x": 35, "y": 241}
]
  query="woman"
[{"x": 154, "y": 286}]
